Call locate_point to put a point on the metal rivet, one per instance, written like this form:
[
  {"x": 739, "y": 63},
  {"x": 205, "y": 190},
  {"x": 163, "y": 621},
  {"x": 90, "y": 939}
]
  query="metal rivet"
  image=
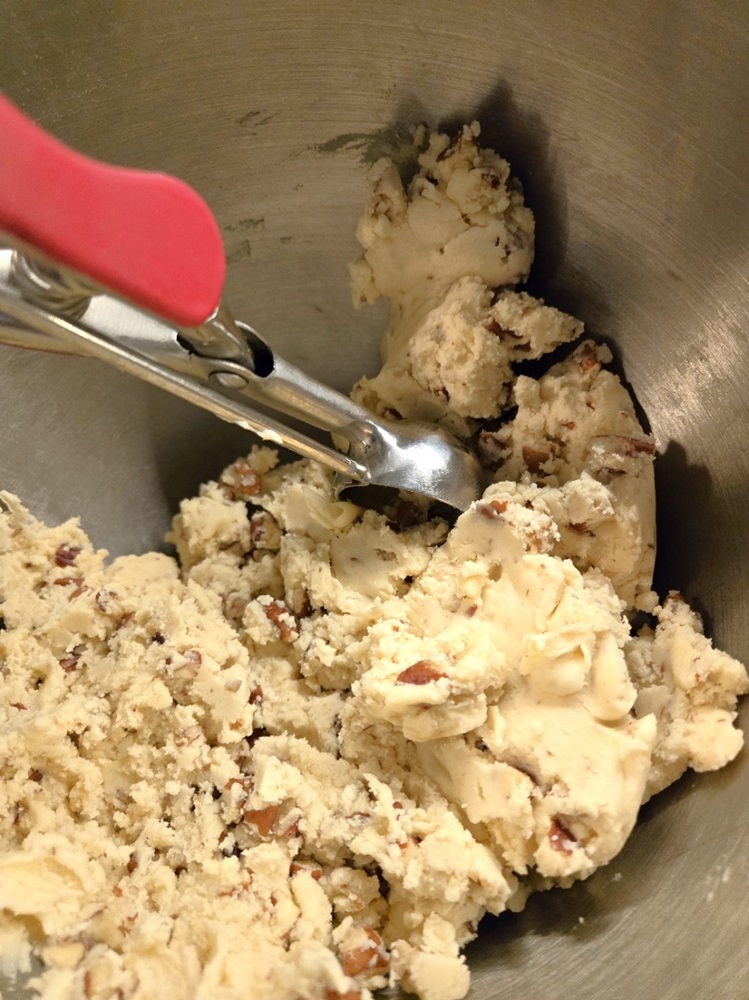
[{"x": 229, "y": 380}]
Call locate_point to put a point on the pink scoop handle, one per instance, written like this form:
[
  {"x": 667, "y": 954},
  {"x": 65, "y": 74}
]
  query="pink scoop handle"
[{"x": 147, "y": 237}]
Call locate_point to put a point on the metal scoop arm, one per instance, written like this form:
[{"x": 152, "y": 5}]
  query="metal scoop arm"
[
  {"x": 128, "y": 266},
  {"x": 169, "y": 367}
]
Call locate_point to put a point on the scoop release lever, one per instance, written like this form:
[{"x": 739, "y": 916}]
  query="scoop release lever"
[{"x": 144, "y": 236}]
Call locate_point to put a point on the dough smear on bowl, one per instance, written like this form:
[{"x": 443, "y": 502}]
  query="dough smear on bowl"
[{"x": 305, "y": 758}]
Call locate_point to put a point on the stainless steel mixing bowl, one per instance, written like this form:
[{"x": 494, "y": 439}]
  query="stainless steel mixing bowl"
[{"x": 626, "y": 122}]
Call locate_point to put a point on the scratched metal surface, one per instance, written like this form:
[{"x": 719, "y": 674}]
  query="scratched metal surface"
[{"x": 626, "y": 122}]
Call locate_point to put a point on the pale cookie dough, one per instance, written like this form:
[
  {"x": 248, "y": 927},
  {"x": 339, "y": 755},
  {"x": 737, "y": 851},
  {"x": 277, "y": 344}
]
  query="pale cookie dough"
[
  {"x": 458, "y": 366},
  {"x": 461, "y": 222},
  {"x": 576, "y": 437},
  {"x": 303, "y": 760},
  {"x": 462, "y": 215},
  {"x": 690, "y": 688}
]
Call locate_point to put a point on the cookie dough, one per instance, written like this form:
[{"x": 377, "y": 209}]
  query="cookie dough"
[{"x": 304, "y": 758}]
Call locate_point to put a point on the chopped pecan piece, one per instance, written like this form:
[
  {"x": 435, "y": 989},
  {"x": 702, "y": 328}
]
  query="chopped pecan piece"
[
  {"x": 124, "y": 620},
  {"x": 258, "y": 529},
  {"x": 366, "y": 958},
  {"x": 64, "y": 581},
  {"x": 239, "y": 888},
  {"x": 66, "y": 555},
  {"x": 242, "y": 480},
  {"x": 314, "y": 872},
  {"x": 125, "y": 926},
  {"x": 421, "y": 672},
  {"x": 282, "y": 618},
  {"x": 492, "y": 509},
  {"x": 628, "y": 445},
  {"x": 263, "y": 819},
  {"x": 264, "y": 530},
  {"x": 70, "y": 661},
  {"x": 303, "y": 605},
  {"x": 104, "y": 598},
  {"x": 588, "y": 358},
  {"x": 560, "y": 838},
  {"x": 534, "y": 458},
  {"x": 35, "y": 774},
  {"x": 74, "y": 581},
  {"x": 292, "y": 830},
  {"x": 349, "y": 995}
]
